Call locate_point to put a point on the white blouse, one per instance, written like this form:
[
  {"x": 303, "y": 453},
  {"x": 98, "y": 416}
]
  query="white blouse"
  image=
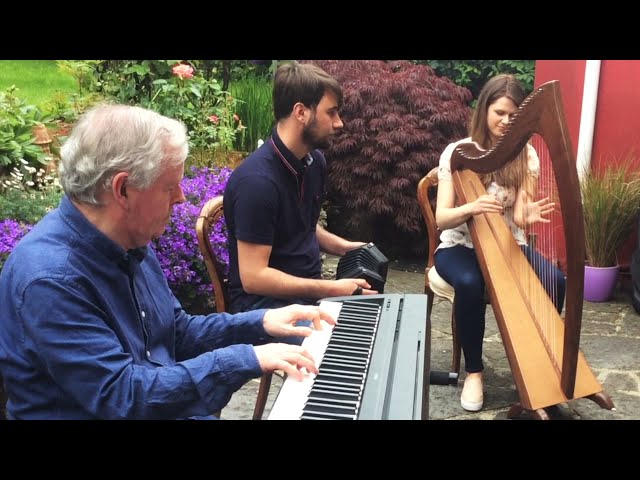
[{"x": 507, "y": 196}]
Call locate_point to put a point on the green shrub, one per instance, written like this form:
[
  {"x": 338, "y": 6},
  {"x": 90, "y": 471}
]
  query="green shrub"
[
  {"x": 398, "y": 118},
  {"x": 473, "y": 74},
  {"x": 82, "y": 70},
  {"x": 177, "y": 90},
  {"x": 67, "y": 107}
]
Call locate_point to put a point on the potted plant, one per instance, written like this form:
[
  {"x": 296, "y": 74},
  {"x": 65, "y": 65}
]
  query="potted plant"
[{"x": 610, "y": 203}]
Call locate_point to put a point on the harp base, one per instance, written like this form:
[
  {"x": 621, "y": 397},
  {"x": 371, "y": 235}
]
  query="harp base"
[
  {"x": 602, "y": 399},
  {"x": 517, "y": 410}
]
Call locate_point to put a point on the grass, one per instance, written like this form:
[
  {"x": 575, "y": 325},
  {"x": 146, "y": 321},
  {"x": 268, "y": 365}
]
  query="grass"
[{"x": 37, "y": 80}]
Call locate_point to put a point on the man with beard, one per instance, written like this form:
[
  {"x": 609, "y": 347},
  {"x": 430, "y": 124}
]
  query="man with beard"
[{"x": 273, "y": 199}]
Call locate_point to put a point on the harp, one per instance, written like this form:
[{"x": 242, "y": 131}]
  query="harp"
[{"x": 545, "y": 360}]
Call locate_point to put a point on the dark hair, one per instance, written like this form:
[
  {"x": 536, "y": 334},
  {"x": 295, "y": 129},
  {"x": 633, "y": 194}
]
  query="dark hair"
[
  {"x": 301, "y": 82},
  {"x": 499, "y": 86},
  {"x": 515, "y": 173}
]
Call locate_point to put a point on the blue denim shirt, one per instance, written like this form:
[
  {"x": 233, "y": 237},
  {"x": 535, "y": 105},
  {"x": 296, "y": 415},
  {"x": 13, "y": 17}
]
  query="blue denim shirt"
[{"x": 91, "y": 331}]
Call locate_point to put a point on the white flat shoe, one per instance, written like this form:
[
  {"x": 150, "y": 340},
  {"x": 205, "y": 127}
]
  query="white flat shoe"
[
  {"x": 471, "y": 406},
  {"x": 478, "y": 400}
]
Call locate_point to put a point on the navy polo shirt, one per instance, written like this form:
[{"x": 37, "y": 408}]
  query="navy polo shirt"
[{"x": 274, "y": 198}]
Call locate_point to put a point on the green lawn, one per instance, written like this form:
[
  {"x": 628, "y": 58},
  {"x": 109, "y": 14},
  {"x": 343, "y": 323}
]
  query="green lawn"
[{"x": 37, "y": 80}]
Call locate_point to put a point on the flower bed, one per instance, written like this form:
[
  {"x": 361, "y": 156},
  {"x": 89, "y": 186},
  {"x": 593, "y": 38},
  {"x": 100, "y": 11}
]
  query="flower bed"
[
  {"x": 11, "y": 231},
  {"x": 177, "y": 249}
]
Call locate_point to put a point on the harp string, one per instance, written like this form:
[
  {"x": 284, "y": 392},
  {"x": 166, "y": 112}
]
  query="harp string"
[{"x": 546, "y": 235}]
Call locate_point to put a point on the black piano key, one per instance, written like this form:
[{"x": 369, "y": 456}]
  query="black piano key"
[
  {"x": 332, "y": 406},
  {"x": 363, "y": 318},
  {"x": 325, "y": 408},
  {"x": 316, "y": 415},
  {"x": 344, "y": 348},
  {"x": 322, "y": 393},
  {"x": 331, "y": 397},
  {"x": 366, "y": 318},
  {"x": 342, "y": 376},
  {"x": 345, "y": 362},
  {"x": 355, "y": 330},
  {"x": 342, "y": 338},
  {"x": 342, "y": 380},
  {"x": 331, "y": 384},
  {"x": 336, "y": 401},
  {"x": 341, "y": 371},
  {"x": 337, "y": 389}
]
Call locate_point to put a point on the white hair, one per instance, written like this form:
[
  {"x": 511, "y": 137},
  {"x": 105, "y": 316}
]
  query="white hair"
[{"x": 114, "y": 138}]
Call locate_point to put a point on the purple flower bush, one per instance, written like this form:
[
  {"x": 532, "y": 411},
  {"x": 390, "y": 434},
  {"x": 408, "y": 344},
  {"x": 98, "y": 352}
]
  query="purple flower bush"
[
  {"x": 177, "y": 249},
  {"x": 11, "y": 232}
]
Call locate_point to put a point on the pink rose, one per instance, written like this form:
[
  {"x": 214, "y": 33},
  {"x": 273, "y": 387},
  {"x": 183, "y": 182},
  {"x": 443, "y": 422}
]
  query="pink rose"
[
  {"x": 214, "y": 118},
  {"x": 183, "y": 71}
]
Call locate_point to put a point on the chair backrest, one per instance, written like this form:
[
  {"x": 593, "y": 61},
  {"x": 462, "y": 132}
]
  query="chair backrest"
[
  {"x": 427, "y": 193},
  {"x": 428, "y": 206},
  {"x": 211, "y": 212},
  {"x": 209, "y": 215}
]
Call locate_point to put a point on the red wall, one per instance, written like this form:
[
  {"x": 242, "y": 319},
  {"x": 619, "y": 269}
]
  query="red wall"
[{"x": 617, "y": 124}]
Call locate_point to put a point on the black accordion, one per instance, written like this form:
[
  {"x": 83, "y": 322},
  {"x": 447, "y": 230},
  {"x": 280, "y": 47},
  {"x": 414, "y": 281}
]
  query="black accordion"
[{"x": 365, "y": 262}]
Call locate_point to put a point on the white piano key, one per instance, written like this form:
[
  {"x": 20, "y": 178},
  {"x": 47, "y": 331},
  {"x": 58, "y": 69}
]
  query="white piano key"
[{"x": 294, "y": 393}]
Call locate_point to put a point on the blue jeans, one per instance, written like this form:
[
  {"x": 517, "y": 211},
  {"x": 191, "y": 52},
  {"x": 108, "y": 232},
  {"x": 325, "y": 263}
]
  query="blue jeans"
[
  {"x": 459, "y": 267},
  {"x": 270, "y": 302}
]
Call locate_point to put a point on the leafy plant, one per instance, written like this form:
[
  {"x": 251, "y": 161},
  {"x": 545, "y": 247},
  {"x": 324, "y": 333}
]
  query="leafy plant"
[
  {"x": 256, "y": 110},
  {"x": 176, "y": 89},
  {"x": 610, "y": 204},
  {"x": 68, "y": 107},
  {"x": 177, "y": 249},
  {"x": 82, "y": 70},
  {"x": 398, "y": 118},
  {"x": 229, "y": 71},
  {"x": 130, "y": 81},
  {"x": 17, "y": 120},
  {"x": 473, "y": 74}
]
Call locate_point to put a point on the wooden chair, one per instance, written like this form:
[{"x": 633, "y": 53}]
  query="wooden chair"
[
  {"x": 434, "y": 284},
  {"x": 209, "y": 215}
]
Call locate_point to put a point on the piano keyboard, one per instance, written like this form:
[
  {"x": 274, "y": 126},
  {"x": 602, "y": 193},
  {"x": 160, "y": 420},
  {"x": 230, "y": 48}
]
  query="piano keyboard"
[
  {"x": 294, "y": 393},
  {"x": 344, "y": 355}
]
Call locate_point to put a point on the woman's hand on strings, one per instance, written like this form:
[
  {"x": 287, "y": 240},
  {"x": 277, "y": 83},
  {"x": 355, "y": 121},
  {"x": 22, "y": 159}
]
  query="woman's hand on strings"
[
  {"x": 537, "y": 211},
  {"x": 486, "y": 204}
]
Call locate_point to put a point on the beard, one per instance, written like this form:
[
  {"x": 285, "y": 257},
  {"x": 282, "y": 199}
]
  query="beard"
[{"x": 312, "y": 138}]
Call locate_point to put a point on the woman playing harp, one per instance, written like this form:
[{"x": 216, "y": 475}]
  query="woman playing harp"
[{"x": 510, "y": 192}]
